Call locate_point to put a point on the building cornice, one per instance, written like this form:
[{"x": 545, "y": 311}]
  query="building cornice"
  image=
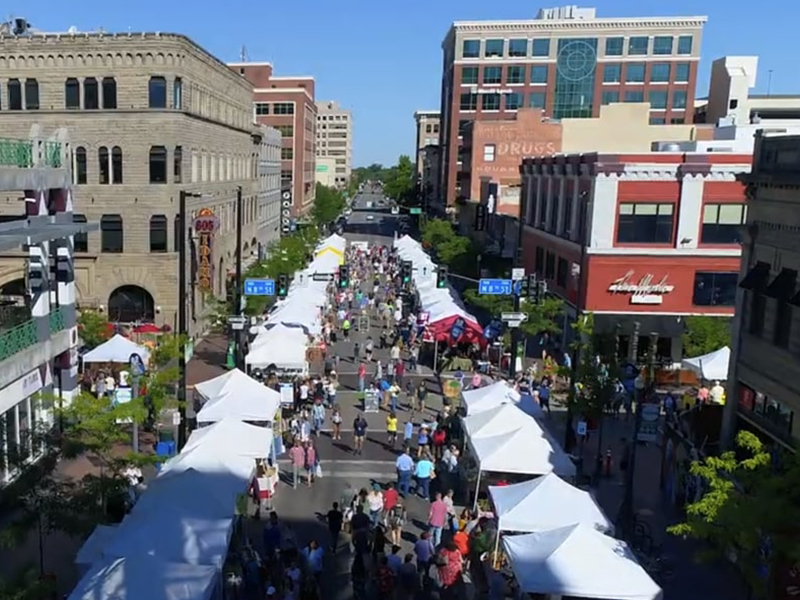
[
  {"x": 284, "y": 91},
  {"x": 579, "y": 24}
]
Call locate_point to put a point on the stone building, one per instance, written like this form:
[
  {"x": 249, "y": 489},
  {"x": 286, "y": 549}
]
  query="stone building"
[{"x": 149, "y": 115}]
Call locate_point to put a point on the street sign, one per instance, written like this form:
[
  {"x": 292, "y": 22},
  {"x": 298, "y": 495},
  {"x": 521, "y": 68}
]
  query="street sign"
[
  {"x": 514, "y": 316},
  {"x": 259, "y": 287},
  {"x": 648, "y": 424},
  {"x": 415, "y": 211},
  {"x": 495, "y": 287},
  {"x": 322, "y": 276},
  {"x": 517, "y": 273},
  {"x": 136, "y": 365}
]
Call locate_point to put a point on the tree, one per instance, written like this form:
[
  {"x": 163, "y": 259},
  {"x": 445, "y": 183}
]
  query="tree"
[
  {"x": 706, "y": 334},
  {"x": 399, "y": 182},
  {"x": 750, "y": 510},
  {"x": 373, "y": 172},
  {"x": 328, "y": 205},
  {"x": 542, "y": 318},
  {"x": 438, "y": 235},
  {"x": 93, "y": 327}
]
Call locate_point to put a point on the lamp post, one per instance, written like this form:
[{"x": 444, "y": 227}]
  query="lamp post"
[{"x": 239, "y": 333}]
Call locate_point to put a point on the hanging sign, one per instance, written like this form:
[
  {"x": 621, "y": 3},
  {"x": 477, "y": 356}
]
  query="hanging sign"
[
  {"x": 205, "y": 225},
  {"x": 457, "y": 328}
]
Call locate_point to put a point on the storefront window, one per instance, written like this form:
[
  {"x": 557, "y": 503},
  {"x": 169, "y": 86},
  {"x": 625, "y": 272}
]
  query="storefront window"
[{"x": 775, "y": 415}]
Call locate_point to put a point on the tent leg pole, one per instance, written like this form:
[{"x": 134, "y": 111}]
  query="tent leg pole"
[
  {"x": 435, "y": 355},
  {"x": 495, "y": 561},
  {"x": 477, "y": 489}
]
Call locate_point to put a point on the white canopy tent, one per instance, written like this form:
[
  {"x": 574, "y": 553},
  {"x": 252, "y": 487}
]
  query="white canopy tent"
[
  {"x": 93, "y": 547},
  {"x": 199, "y": 494},
  {"x": 146, "y": 577},
  {"x": 712, "y": 366},
  {"x": 284, "y": 347},
  {"x": 232, "y": 437},
  {"x": 238, "y": 396},
  {"x": 334, "y": 241},
  {"x": 547, "y": 502},
  {"x": 231, "y": 474},
  {"x": 117, "y": 350},
  {"x": 578, "y": 561},
  {"x": 503, "y": 420}
]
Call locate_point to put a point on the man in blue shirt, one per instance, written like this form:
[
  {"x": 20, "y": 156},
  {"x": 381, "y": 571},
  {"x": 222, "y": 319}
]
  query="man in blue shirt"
[
  {"x": 405, "y": 466},
  {"x": 424, "y": 472}
]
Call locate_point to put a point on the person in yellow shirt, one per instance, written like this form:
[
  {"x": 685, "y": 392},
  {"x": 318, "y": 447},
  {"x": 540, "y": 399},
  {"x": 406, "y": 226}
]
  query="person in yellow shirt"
[{"x": 391, "y": 429}]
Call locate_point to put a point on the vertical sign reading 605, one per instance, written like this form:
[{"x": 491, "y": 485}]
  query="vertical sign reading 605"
[{"x": 205, "y": 224}]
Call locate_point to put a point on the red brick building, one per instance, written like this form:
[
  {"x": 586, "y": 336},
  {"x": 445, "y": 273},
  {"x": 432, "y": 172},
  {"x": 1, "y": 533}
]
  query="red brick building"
[
  {"x": 637, "y": 238},
  {"x": 287, "y": 103}
]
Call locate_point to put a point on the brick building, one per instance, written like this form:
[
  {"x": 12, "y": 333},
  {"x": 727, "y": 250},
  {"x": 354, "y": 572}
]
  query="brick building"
[
  {"x": 567, "y": 62},
  {"x": 149, "y": 115},
  {"x": 647, "y": 238},
  {"x": 287, "y": 103}
]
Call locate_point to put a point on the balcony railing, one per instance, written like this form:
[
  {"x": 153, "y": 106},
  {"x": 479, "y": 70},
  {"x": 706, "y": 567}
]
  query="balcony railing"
[
  {"x": 27, "y": 153},
  {"x": 17, "y": 339},
  {"x": 56, "y": 321}
]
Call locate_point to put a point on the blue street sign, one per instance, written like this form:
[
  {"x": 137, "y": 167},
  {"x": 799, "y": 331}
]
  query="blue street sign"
[
  {"x": 495, "y": 287},
  {"x": 259, "y": 287}
]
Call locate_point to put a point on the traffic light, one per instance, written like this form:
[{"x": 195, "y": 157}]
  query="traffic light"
[
  {"x": 441, "y": 277},
  {"x": 406, "y": 268},
  {"x": 283, "y": 286},
  {"x": 344, "y": 276},
  {"x": 524, "y": 287},
  {"x": 529, "y": 286}
]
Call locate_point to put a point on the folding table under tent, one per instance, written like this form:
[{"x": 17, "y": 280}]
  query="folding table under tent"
[
  {"x": 238, "y": 396},
  {"x": 116, "y": 350},
  {"x": 580, "y": 562},
  {"x": 146, "y": 577}
]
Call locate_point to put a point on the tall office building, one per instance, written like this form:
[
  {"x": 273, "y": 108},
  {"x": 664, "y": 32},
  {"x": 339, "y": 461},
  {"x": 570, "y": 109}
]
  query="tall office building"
[
  {"x": 287, "y": 103},
  {"x": 568, "y": 62},
  {"x": 334, "y": 143}
]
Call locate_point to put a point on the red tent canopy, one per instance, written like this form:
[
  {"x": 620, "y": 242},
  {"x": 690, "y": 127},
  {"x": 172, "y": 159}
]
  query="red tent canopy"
[
  {"x": 440, "y": 330},
  {"x": 147, "y": 328}
]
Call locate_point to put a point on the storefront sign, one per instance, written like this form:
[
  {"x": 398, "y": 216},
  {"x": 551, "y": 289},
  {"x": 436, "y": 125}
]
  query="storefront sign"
[
  {"x": 648, "y": 424},
  {"x": 644, "y": 291},
  {"x": 23, "y": 387},
  {"x": 206, "y": 224}
]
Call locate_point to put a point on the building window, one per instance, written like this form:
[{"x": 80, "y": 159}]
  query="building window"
[
  {"x": 494, "y": 48},
  {"x": 561, "y": 273},
  {"x": 634, "y": 73},
  {"x": 111, "y": 234},
  {"x": 158, "y": 164},
  {"x": 758, "y": 309},
  {"x": 514, "y": 101},
  {"x": 80, "y": 240},
  {"x": 657, "y": 121},
  {"x": 658, "y": 99},
  {"x": 783, "y": 324},
  {"x": 287, "y": 131},
  {"x": 471, "y": 49},
  {"x": 638, "y": 45},
  {"x": 283, "y": 108},
  {"x": 537, "y": 100},
  {"x": 158, "y": 233},
  {"x": 91, "y": 94},
  {"x": 492, "y": 75},
  {"x": 541, "y": 48},
  {"x": 489, "y": 152},
  {"x": 662, "y": 44},
  {"x": 679, "y": 99},
  {"x": 538, "y": 264},
  {"x": 469, "y": 75},
  {"x": 515, "y": 74},
  {"x": 177, "y": 94},
  {"x": 287, "y": 153},
  {"x": 539, "y": 74},
  {"x": 286, "y": 177},
  {"x": 682, "y": 73},
  {"x": 177, "y": 165},
  {"x": 550, "y": 266},
  {"x": 468, "y": 101},
  {"x": 634, "y": 96},
  {"x": 685, "y": 44},
  {"x": 116, "y": 165},
  {"x": 614, "y": 46},
  {"x": 715, "y": 289},
  {"x": 490, "y": 102},
  {"x": 262, "y": 108},
  {"x": 31, "y": 94},
  {"x": 722, "y": 223},
  {"x": 72, "y": 93},
  {"x": 103, "y": 165},
  {"x": 610, "y": 97},
  {"x": 80, "y": 165},
  {"x": 645, "y": 223},
  {"x": 518, "y": 48},
  {"x": 14, "y": 94},
  {"x": 612, "y": 73},
  {"x": 109, "y": 93},
  {"x": 575, "y": 74},
  {"x": 677, "y": 121},
  {"x": 157, "y": 92},
  {"x": 659, "y": 73},
  {"x": 462, "y": 126}
]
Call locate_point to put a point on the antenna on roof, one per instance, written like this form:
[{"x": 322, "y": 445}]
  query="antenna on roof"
[{"x": 243, "y": 54}]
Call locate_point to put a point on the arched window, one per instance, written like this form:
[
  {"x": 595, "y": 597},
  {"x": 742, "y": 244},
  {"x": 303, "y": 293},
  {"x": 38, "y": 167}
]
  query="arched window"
[
  {"x": 157, "y": 92},
  {"x": 81, "y": 239},
  {"x": 31, "y": 94},
  {"x": 80, "y": 165},
  {"x": 72, "y": 93},
  {"x": 103, "y": 165},
  {"x": 131, "y": 304},
  {"x": 158, "y": 164},
  {"x": 116, "y": 164},
  {"x": 111, "y": 234},
  {"x": 14, "y": 94},
  {"x": 158, "y": 233},
  {"x": 91, "y": 94},
  {"x": 109, "y": 93}
]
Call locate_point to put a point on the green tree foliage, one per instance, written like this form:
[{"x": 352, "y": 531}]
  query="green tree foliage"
[
  {"x": 748, "y": 502},
  {"x": 28, "y": 585},
  {"x": 596, "y": 368},
  {"x": 544, "y": 317},
  {"x": 93, "y": 327},
  {"x": 706, "y": 334},
  {"x": 374, "y": 172},
  {"x": 399, "y": 181},
  {"x": 439, "y": 237},
  {"x": 328, "y": 205}
]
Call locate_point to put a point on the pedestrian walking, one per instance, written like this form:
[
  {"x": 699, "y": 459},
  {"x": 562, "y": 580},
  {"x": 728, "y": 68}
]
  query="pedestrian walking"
[
  {"x": 424, "y": 551},
  {"x": 424, "y": 472},
  {"x": 437, "y": 518},
  {"x": 310, "y": 462},
  {"x": 362, "y": 376},
  {"x": 335, "y": 520},
  {"x": 405, "y": 468},
  {"x": 317, "y": 416},
  {"x": 359, "y": 433},
  {"x": 391, "y": 429},
  {"x": 336, "y": 422},
  {"x": 375, "y": 504},
  {"x": 298, "y": 457}
]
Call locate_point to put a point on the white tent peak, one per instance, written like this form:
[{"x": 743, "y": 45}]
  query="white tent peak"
[
  {"x": 116, "y": 350},
  {"x": 239, "y": 396},
  {"x": 711, "y": 366}
]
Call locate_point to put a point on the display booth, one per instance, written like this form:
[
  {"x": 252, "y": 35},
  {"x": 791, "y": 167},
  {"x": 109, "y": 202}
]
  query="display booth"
[
  {"x": 239, "y": 396},
  {"x": 710, "y": 367},
  {"x": 117, "y": 350}
]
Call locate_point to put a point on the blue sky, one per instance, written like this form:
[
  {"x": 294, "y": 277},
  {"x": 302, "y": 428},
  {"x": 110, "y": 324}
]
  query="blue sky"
[{"x": 383, "y": 60}]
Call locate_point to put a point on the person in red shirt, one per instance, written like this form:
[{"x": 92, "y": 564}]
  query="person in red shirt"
[
  {"x": 389, "y": 501},
  {"x": 450, "y": 568}
]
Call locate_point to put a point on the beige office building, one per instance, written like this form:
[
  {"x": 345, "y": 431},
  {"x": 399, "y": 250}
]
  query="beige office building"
[
  {"x": 335, "y": 141},
  {"x": 149, "y": 115}
]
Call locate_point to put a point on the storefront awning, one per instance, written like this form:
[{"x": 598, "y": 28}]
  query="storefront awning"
[
  {"x": 756, "y": 278},
  {"x": 782, "y": 287}
]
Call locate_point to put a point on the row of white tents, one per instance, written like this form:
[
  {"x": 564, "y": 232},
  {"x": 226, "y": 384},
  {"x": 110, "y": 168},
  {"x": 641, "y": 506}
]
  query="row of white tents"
[{"x": 562, "y": 542}]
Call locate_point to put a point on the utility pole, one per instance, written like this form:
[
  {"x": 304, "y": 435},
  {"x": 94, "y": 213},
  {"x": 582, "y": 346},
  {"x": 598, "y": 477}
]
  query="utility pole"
[
  {"x": 515, "y": 333},
  {"x": 239, "y": 333}
]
